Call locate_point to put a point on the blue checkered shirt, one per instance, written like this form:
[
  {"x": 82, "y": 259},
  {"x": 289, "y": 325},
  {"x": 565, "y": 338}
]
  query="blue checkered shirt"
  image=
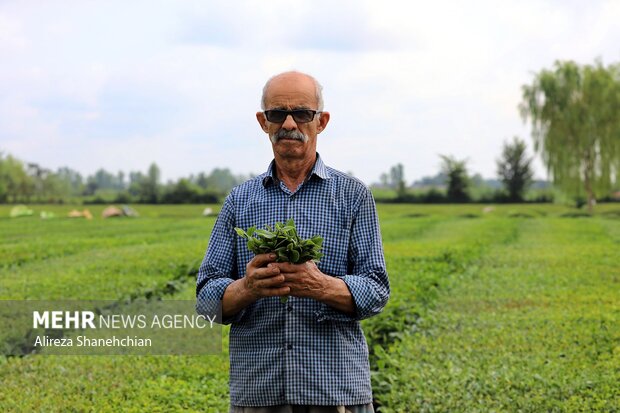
[{"x": 304, "y": 351}]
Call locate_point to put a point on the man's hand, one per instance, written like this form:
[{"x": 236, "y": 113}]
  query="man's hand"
[
  {"x": 303, "y": 280},
  {"x": 306, "y": 280},
  {"x": 263, "y": 277},
  {"x": 266, "y": 278}
]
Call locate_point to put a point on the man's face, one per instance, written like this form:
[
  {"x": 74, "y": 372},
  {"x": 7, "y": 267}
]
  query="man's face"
[{"x": 291, "y": 139}]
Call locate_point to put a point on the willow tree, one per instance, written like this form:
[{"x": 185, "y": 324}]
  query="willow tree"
[{"x": 575, "y": 116}]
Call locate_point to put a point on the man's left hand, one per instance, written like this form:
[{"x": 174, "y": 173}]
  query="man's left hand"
[{"x": 304, "y": 280}]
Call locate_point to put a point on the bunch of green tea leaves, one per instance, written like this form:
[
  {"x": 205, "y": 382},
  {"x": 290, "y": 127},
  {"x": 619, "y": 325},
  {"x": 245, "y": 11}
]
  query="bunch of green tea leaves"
[{"x": 283, "y": 240}]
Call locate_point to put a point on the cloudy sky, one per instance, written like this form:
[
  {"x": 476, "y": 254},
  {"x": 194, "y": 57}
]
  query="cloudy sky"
[{"x": 120, "y": 84}]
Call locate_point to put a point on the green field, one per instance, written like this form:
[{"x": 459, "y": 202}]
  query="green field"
[{"x": 513, "y": 309}]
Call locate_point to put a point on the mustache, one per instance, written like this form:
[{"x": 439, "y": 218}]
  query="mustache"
[{"x": 290, "y": 134}]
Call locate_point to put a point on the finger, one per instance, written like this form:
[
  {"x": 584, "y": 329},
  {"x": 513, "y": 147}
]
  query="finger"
[
  {"x": 296, "y": 287},
  {"x": 270, "y": 282},
  {"x": 261, "y": 260},
  {"x": 275, "y": 292},
  {"x": 264, "y": 272},
  {"x": 299, "y": 289},
  {"x": 288, "y": 267},
  {"x": 293, "y": 276}
]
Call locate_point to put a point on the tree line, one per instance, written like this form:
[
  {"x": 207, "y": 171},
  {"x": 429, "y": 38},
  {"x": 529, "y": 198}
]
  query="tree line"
[
  {"x": 22, "y": 182},
  {"x": 574, "y": 111},
  {"x": 453, "y": 183}
]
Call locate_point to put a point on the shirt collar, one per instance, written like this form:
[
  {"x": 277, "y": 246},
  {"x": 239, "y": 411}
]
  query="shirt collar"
[{"x": 319, "y": 169}]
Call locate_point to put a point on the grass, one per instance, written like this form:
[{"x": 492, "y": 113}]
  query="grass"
[
  {"x": 531, "y": 324},
  {"x": 513, "y": 308},
  {"x": 116, "y": 383},
  {"x": 108, "y": 259},
  {"x": 99, "y": 259}
]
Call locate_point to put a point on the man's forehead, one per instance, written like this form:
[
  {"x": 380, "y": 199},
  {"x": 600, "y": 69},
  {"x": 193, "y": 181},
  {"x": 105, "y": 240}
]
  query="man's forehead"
[{"x": 291, "y": 90}]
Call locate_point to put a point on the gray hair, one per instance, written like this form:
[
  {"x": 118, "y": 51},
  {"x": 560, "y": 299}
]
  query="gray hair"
[{"x": 317, "y": 86}]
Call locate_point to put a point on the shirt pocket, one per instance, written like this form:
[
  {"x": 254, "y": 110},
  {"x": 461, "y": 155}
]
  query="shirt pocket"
[{"x": 336, "y": 241}]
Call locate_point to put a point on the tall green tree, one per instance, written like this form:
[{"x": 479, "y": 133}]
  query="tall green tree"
[
  {"x": 71, "y": 179},
  {"x": 149, "y": 185},
  {"x": 15, "y": 183},
  {"x": 3, "y": 179},
  {"x": 201, "y": 180},
  {"x": 458, "y": 180},
  {"x": 222, "y": 180},
  {"x": 514, "y": 169},
  {"x": 397, "y": 178},
  {"x": 384, "y": 179},
  {"x": 102, "y": 180},
  {"x": 574, "y": 111}
]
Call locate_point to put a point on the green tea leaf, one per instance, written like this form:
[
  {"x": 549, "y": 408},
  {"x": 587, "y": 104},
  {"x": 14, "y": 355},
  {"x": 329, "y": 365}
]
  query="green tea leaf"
[
  {"x": 265, "y": 234},
  {"x": 284, "y": 241}
]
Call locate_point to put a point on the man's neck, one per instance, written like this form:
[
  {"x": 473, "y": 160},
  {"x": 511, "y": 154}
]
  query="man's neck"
[{"x": 293, "y": 171}]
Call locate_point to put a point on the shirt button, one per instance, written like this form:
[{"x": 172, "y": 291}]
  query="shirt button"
[
  {"x": 289, "y": 308},
  {"x": 289, "y": 346}
]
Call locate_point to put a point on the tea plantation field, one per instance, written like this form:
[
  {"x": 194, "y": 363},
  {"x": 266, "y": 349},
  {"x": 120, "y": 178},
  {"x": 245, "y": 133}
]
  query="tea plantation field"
[{"x": 514, "y": 308}]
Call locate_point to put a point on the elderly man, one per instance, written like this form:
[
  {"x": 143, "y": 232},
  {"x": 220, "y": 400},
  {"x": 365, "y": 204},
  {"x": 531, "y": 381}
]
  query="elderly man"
[{"x": 307, "y": 354}]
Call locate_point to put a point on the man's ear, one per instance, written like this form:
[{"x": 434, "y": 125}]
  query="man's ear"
[
  {"x": 323, "y": 121},
  {"x": 262, "y": 121}
]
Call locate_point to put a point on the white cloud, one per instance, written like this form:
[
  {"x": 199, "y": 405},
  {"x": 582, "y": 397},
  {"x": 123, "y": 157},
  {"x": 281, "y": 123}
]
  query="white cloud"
[
  {"x": 179, "y": 82},
  {"x": 12, "y": 39}
]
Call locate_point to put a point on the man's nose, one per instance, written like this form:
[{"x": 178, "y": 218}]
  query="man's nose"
[{"x": 289, "y": 123}]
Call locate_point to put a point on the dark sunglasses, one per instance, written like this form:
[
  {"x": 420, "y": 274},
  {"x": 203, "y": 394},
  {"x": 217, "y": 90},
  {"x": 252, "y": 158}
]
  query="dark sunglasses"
[{"x": 299, "y": 115}]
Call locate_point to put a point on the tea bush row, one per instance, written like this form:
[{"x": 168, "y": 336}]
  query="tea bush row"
[{"x": 533, "y": 328}]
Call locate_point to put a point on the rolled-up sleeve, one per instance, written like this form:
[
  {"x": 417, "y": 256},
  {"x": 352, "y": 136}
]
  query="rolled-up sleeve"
[
  {"x": 368, "y": 281},
  {"x": 218, "y": 268}
]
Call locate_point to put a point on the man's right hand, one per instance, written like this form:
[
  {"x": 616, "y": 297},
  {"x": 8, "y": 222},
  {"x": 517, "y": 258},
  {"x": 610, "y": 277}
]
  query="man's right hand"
[{"x": 263, "y": 279}]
